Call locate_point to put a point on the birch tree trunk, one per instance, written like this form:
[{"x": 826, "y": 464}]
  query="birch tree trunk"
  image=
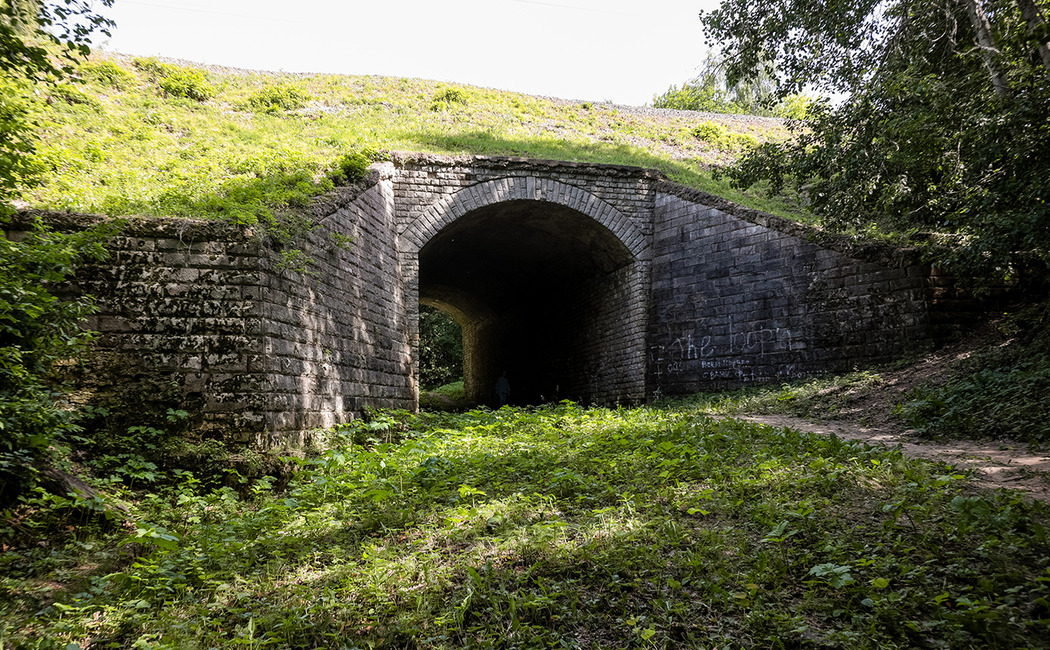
[
  {"x": 986, "y": 43},
  {"x": 1036, "y": 27}
]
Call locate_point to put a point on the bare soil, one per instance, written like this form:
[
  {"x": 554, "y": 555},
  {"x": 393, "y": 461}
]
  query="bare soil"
[
  {"x": 868, "y": 417},
  {"x": 994, "y": 464}
]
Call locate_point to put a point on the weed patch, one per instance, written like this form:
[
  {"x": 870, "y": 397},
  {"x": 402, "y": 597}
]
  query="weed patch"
[
  {"x": 560, "y": 526},
  {"x": 241, "y": 146}
]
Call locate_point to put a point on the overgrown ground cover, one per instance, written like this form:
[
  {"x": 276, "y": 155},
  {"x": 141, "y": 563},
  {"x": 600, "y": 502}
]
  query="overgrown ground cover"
[
  {"x": 142, "y": 136},
  {"x": 559, "y": 527}
]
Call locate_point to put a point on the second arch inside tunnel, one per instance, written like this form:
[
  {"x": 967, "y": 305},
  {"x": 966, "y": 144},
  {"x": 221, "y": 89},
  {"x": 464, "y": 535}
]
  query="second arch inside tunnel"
[{"x": 544, "y": 293}]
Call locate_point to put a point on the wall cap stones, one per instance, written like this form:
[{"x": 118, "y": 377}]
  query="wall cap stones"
[{"x": 403, "y": 160}]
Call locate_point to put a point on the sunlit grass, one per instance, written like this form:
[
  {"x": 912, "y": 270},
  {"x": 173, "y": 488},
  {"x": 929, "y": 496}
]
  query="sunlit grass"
[
  {"x": 563, "y": 526},
  {"x": 127, "y": 149}
]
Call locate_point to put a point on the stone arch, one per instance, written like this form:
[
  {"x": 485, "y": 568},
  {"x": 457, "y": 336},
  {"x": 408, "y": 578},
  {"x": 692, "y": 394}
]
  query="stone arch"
[
  {"x": 523, "y": 188},
  {"x": 602, "y": 356}
]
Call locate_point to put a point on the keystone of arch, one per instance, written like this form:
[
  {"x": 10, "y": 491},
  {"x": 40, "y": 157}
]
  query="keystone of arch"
[{"x": 528, "y": 188}]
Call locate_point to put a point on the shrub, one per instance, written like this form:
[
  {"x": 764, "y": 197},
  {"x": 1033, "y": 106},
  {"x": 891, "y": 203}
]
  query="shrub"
[
  {"x": 184, "y": 82},
  {"x": 36, "y": 331},
  {"x": 177, "y": 81},
  {"x": 445, "y": 98},
  {"x": 719, "y": 136},
  {"x": 353, "y": 165},
  {"x": 108, "y": 73},
  {"x": 273, "y": 99},
  {"x": 151, "y": 66},
  {"x": 794, "y": 107},
  {"x": 70, "y": 94}
]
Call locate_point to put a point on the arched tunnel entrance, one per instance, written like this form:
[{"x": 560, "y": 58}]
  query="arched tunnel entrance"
[{"x": 544, "y": 293}]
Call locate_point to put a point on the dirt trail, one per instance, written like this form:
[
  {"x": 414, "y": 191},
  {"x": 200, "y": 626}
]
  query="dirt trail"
[{"x": 995, "y": 465}]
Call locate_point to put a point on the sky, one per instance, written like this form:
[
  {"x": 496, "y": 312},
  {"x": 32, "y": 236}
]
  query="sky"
[{"x": 619, "y": 51}]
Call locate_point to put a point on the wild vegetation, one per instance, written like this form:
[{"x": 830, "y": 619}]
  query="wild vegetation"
[
  {"x": 941, "y": 132},
  {"x": 711, "y": 91},
  {"x": 252, "y": 146},
  {"x": 560, "y": 526}
]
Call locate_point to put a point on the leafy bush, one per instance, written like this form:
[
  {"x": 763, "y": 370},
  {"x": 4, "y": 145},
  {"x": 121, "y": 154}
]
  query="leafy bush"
[
  {"x": 998, "y": 392},
  {"x": 794, "y": 107},
  {"x": 70, "y": 94},
  {"x": 191, "y": 84},
  {"x": 276, "y": 98},
  {"x": 445, "y": 98},
  {"x": 151, "y": 66},
  {"x": 718, "y": 135},
  {"x": 353, "y": 165},
  {"x": 37, "y": 329},
  {"x": 177, "y": 81},
  {"x": 108, "y": 73},
  {"x": 440, "y": 348}
]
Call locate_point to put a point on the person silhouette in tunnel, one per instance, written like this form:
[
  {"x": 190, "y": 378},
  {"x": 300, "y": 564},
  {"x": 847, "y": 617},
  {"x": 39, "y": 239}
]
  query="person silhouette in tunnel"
[{"x": 503, "y": 388}]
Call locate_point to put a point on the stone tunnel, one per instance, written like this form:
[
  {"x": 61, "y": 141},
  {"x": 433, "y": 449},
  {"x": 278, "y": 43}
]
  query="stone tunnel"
[
  {"x": 596, "y": 283},
  {"x": 545, "y": 281}
]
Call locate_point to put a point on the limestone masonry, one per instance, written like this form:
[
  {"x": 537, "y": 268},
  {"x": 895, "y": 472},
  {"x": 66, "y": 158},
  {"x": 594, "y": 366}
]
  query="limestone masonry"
[{"x": 589, "y": 282}]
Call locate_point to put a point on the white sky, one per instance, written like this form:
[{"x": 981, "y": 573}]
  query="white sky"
[{"x": 623, "y": 51}]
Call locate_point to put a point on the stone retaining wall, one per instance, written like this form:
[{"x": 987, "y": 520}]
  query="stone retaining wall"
[
  {"x": 742, "y": 297},
  {"x": 687, "y": 292}
]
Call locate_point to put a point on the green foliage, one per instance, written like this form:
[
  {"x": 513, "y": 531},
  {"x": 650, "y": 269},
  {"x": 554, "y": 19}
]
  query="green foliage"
[
  {"x": 719, "y": 136},
  {"x": 71, "y": 94},
  {"x": 108, "y": 73},
  {"x": 561, "y": 526},
  {"x": 17, "y": 167},
  {"x": 206, "y": 160},
  {"x": 818, "y": 398},
  {"x": 42, "y": 41},
  {"x": 936, "y": 135},
  {"x": 177, "y": 81},
  {"x": 999, "y": 392},
  {"x": 353, "y": 165},
  {"x": 277, "y": 98},
  {"x": 39, "y": 43},
  {"x": 711, "y": 91},
  {"x": 37, "y": 330},
  {"x": 446, "y": 98},
  {"x": 440, "y": 348}
]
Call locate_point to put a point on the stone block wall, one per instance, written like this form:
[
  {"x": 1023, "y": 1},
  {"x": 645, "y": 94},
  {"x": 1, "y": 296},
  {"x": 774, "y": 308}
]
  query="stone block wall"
[
  {"x": 178, "y": 325},
  {"x": 200, "y": 316},
  {"x": 335, "y": 340},
  {"x": 740, "y": 297},
  {"x": 425, "y": 180},
  {"x": 606, "y": 336}
]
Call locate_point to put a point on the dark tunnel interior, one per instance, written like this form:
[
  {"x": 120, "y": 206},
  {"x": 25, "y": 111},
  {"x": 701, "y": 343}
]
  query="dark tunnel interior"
[{"x": 536, "y": 287}]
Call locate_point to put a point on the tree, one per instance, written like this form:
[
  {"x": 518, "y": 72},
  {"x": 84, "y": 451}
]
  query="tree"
[
  {"x": 711, "y": 91},
  {"x": 39, "y": 43},
  {"x": 943, "y": 127},
  {"x": 440, "y": 348}
]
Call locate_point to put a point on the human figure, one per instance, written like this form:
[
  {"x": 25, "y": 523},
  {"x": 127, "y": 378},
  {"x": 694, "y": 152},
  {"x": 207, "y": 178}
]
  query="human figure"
[{"x": 503, "y": 388}]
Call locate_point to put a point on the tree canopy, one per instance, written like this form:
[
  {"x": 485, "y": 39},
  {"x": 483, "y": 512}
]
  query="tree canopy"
[{"x": 943, "y": 129}]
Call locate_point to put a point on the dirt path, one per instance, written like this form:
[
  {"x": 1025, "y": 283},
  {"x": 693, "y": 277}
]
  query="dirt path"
[{"x": 994, "y": 465}]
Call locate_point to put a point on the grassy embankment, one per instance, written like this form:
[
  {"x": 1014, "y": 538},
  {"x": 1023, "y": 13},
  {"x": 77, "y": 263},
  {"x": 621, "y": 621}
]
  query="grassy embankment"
[{"x": 156, "y": 139}]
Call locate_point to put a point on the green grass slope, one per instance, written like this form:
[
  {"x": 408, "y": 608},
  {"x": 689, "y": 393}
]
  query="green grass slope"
[{"x": 146, "y": 137}]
